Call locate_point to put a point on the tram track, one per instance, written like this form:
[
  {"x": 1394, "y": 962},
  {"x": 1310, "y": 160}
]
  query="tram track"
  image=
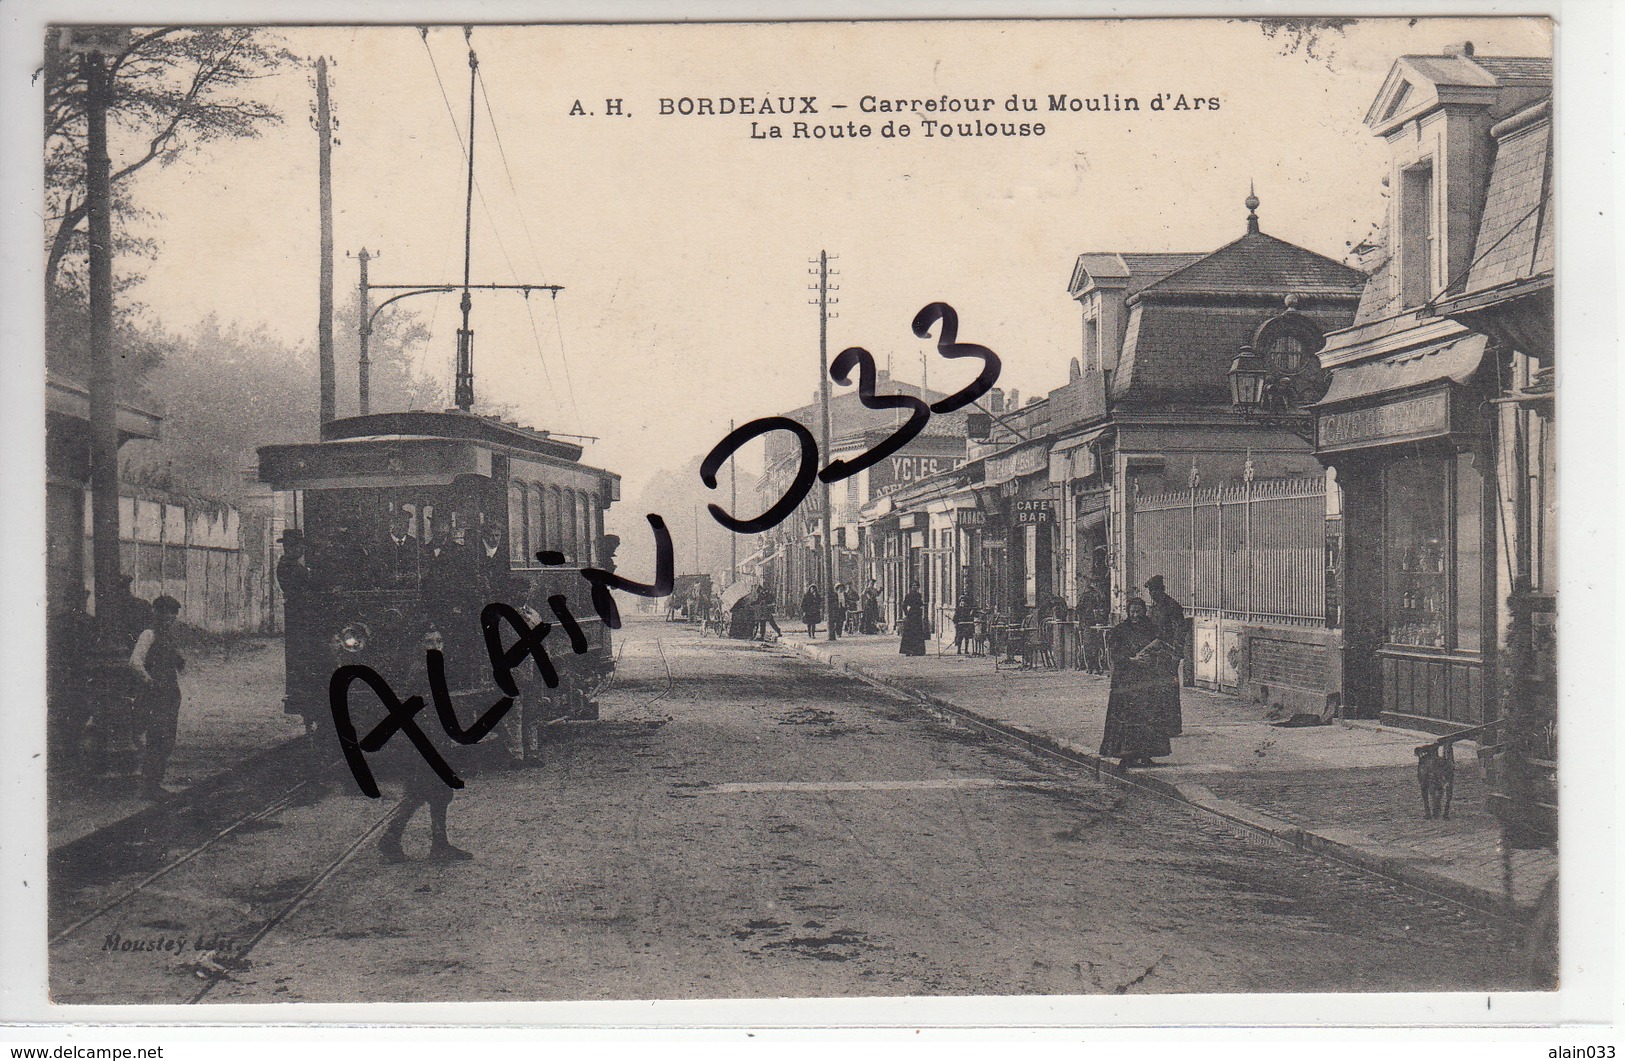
[
  {"x": 241, "y": 952},
  {"x": 276, "y": 805},
  {"x": 143, "y": 911}
]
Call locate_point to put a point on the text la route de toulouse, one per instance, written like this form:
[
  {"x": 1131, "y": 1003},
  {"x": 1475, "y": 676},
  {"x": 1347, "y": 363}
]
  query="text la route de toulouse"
[{"x": 939, "y": 117}]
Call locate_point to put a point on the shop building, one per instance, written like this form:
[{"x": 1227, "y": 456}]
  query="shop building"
[
  {"x": 1158, "y": 469},
  {"x": 791, "y": 554},
  {"x": 1438, "y": 420}
]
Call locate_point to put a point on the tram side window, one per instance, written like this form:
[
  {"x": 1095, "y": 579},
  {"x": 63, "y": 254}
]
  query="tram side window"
[
  {"x": 571, "y": 525},
  {"x": 555, "y": 525},
  {"x": 519, "y": 519},
  {"x": 587, "y": 552},
  {"x": 536, "y": 541}
]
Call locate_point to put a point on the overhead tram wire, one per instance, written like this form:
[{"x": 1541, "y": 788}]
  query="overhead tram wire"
[
  {"x": 485, "y": 205},
  {"x": 524, "y": 223}
]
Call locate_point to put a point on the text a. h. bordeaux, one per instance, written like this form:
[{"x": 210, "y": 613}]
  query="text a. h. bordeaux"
[{"x": 940, "y": 117}]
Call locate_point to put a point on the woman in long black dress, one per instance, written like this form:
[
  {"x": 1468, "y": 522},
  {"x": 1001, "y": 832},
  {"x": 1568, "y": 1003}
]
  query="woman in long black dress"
[
  {"x": 913, "y": 625},
  {"x": 812, "y": 610},
  {"x": 1134, "y": 731}
]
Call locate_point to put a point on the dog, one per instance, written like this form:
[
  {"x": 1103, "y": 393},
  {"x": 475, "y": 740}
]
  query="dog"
[{"x": 1436, "y": 774}]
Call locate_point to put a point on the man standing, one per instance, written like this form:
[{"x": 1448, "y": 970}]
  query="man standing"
[
  {"x": 1092, "y": 615},
  {"x": 306, "y": 691},
  {"x": 420, "y": 786},
  {"x": 1168, "y": 616},
  {"x": 157, "y": 665},
  {"x": 837, "y": 610},
  {"x": 764, "y": 613},
  {"x": 398, "y": 556}
]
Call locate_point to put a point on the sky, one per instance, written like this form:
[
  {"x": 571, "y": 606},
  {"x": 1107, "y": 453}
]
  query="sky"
[{"x": 684, "y": 244}]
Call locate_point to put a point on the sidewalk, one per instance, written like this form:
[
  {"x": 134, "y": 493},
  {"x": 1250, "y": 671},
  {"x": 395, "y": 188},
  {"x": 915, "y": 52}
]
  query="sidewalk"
[
  {"x": 1347, "y": 790},
  {"x": 231, "y": 712}
]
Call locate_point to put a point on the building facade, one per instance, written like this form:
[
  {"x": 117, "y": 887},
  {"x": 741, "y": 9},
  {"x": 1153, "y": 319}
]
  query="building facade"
[
  {"x": 1439, "y": 419},
  {"x": 789, "y": 556}
]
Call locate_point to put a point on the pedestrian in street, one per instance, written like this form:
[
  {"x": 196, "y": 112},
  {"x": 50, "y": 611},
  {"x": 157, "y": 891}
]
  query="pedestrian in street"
[
  {"x": 764, "y": 609},
  {"x": 871, "y": 608},
  {"x": 913, "y": 627},
  {"x": 525, "y": 722},
  {"x": 964, "y": 623},
  {"x": 158, "y": 665},
  {"x": 1168, "y": 616},
  {"x": 837, "y": 611},
  {"x": 401, "y": 761},
  {"x": 1092, "y": 614},
  {"x": 132, "y": 614},
  {"x": 1135, "y": 734},
  {"x": 812, "y": 610},
  {"x": 304, "y": 656}
]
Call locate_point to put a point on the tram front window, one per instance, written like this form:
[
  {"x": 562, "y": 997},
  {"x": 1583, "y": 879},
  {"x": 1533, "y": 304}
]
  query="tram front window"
[{"x": 363, "y": 540}]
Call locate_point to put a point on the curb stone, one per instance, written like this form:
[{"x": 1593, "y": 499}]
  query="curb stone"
[{"x": 1409, "y": 869}]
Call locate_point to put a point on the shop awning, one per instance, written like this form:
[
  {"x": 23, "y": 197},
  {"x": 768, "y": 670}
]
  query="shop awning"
[
  {"x": 1455, "y": 360},
  {"x": 1091, "y": 512}
]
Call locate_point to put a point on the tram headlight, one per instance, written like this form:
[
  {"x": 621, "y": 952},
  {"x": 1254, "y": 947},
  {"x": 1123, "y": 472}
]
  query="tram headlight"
[{"x": 353, "y": 637}]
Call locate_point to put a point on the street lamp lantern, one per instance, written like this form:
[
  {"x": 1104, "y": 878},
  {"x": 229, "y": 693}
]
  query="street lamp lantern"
[{"x": 1247, "y": 376}]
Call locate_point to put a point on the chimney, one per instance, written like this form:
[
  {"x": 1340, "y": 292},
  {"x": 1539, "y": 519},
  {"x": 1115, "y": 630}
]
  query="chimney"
[
  {"x": 995, "y": 400},
  {"x": 1464, "y": 50}
]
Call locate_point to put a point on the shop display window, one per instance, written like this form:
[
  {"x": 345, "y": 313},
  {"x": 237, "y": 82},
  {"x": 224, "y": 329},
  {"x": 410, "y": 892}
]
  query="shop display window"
[
  {"x": 1417, "y": 501},
  {"x": 1434, "y": 553}
]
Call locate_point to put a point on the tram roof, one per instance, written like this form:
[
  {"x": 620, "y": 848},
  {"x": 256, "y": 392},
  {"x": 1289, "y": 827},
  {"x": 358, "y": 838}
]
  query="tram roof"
[
  {"x": 359, "y": 450},
  {"x": 451, "y": 424}
]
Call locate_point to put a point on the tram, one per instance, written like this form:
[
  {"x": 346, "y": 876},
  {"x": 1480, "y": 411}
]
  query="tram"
[{"x": 415, "y": 520}]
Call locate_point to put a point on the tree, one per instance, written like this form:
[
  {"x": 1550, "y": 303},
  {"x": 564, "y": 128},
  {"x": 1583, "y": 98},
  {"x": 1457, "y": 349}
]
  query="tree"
[
  {"x": 174, "y": 88},
  {"x": 225, "y": 389}
]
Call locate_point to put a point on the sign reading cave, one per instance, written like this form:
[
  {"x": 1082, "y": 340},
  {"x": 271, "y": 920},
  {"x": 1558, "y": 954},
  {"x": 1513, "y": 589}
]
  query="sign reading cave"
[{"x": 1402, "y": 421}]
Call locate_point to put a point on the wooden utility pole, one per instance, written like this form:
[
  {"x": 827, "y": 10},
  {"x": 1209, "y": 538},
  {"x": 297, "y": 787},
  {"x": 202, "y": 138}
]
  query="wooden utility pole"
[
  {"x": 104, "y": 522},
  {"x": 828, "y": 559},
  {"x": 324, "y": 323}
]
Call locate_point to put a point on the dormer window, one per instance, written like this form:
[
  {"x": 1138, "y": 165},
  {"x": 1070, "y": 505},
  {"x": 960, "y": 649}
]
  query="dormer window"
[
  {"x": 1417, "y": 235},
  {"x": 1091, "y": 342},
  {"x": 1400, "y": 97}
]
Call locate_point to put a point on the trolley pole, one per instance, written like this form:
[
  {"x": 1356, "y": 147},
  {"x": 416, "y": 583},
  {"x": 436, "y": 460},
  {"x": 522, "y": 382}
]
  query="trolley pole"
[
  {"x": 364, "y": 317},
  {"x": 465, "y": 335}
]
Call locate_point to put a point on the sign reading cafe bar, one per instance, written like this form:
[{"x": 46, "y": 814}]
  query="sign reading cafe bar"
[{"x": 1039, "y": 511}]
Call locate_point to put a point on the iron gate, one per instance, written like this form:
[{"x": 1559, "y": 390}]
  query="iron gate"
[{"x": 1254, "y": 553}]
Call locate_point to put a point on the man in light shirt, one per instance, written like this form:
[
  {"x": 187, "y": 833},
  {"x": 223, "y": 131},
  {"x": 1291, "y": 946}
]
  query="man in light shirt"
[{"x": 157, "y": 665}]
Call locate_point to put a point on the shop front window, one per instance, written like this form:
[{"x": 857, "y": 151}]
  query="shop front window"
[
  {"x": 1434, "y": 545},
  {"x": 1417, "y": 598}
]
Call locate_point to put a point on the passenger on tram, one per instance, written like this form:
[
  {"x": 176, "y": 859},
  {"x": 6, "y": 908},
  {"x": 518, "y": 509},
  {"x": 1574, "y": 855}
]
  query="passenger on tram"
[{"x": 396, "y": 560}]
